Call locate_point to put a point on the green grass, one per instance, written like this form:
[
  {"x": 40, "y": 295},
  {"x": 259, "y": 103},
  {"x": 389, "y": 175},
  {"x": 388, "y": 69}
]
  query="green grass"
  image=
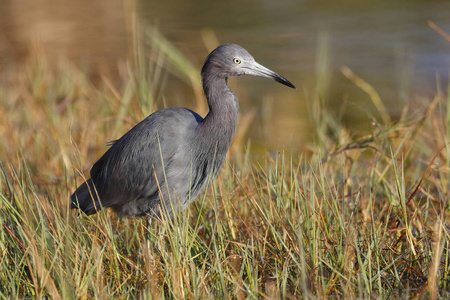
[{"x": 354, "y": 217}]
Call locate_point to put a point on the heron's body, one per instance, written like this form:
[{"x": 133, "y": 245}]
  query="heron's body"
[{"x": 165, "y": 161}]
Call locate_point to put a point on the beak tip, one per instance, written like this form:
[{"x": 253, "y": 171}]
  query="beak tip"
[{"x": 284, "y": 81}]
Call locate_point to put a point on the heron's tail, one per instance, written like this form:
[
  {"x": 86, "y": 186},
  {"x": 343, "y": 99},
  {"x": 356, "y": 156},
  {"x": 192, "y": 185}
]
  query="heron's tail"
[{"x": 85, "y": 198}]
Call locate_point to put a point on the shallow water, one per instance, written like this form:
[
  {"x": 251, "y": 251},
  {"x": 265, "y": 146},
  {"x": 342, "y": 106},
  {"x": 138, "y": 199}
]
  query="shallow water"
[{"x": 387, "y": 43}]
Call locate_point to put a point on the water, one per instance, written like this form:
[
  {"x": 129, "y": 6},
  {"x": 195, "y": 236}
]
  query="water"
[{"x": 387, "y": 43}]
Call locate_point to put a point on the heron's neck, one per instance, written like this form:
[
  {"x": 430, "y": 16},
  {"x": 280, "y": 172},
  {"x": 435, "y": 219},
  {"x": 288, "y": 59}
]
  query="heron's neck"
[{"x": 223, "y": 106}]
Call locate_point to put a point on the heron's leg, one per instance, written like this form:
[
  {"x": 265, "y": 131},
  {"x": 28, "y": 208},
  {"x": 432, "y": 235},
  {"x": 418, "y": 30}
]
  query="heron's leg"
[
  {"x": 149, "y": 220},
  {"x": 147, "y": 229},
  {"x": 158, "y": 244}
]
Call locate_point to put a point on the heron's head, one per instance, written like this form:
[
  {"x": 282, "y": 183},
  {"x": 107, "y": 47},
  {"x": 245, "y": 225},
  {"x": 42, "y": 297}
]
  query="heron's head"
[{"x": 232, "y": 60}]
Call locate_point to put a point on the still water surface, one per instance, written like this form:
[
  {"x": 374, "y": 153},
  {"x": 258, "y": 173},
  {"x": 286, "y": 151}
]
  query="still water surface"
[{"x": 387, "y": 43}]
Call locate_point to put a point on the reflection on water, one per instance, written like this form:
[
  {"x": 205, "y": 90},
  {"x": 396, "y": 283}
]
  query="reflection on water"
[{"x": 387, "y": 43}]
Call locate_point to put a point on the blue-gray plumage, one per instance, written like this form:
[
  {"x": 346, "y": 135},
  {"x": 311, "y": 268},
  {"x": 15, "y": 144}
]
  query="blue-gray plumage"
[{"x": 164, "y": 162}]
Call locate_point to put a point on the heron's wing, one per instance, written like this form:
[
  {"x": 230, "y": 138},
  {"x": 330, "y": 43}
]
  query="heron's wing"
[
  {"x": 133, "y": 167},
  {"x": 129, "y": 169},
  {"x": 85, "y": 198}
]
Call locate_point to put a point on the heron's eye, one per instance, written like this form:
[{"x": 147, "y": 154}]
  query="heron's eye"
[{"x": 237, "y": 61}]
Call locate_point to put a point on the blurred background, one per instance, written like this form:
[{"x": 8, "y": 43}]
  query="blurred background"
[{"x": 388, "y": 44}]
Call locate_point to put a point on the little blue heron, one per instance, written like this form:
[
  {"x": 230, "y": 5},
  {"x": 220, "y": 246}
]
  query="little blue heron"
[{"x": 164, "y": 162}]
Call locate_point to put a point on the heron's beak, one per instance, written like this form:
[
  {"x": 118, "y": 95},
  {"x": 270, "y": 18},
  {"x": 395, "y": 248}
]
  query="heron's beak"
[{"x": 259, "y": 70}]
